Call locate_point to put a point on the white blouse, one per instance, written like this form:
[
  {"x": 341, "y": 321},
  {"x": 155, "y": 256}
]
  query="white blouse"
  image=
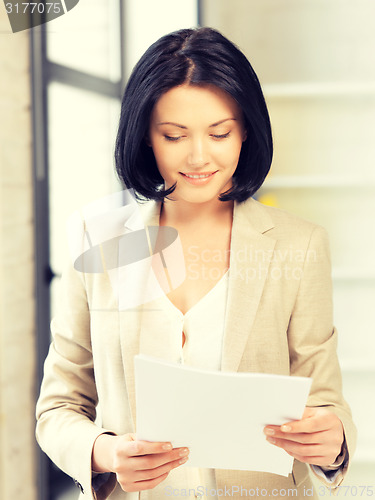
[{"x": 203, "y": 326}]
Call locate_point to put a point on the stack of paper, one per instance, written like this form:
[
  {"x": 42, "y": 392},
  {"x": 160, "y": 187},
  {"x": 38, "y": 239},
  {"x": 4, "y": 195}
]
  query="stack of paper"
[{"x": 219, "y": 416}]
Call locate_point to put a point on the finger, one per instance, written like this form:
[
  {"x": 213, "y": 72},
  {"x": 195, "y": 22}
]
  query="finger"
[
  {"x": 148, "y": 479},
  {"x": 309, "y": 425},
  {"x": 304, "y": 438},
  {"x": 311, "y": 454},
  {"x": 142, "y": 485},
  {"x": 293, "y": 448},
  {"x": 151, "y": 483},
  {"x": 137, "y": 448},
  {"x": 152, "y": 461},
  {"x": 311, "y": 411},
  {"x": 314, "y": 420},
  {"x": 159, "y": 471}
]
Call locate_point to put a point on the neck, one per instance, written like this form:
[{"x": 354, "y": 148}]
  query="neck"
[{"x": 182, "y": 213}]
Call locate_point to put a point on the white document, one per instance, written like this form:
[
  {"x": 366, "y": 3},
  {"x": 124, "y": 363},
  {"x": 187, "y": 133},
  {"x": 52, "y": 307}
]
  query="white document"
[{"x": 219, "y": 416}]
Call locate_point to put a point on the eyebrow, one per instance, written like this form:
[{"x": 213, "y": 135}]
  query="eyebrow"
[{"x": 183, "y": 126}]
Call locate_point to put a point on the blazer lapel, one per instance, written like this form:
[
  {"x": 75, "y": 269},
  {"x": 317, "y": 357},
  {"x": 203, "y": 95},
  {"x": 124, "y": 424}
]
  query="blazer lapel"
[
  {"x": 131, "y": 320},
  {"x": 251, "y": 253}
]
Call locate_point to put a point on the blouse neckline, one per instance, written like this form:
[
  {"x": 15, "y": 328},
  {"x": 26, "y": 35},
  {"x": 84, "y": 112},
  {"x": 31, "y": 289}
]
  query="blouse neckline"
[{"x": 201, "y": 300}]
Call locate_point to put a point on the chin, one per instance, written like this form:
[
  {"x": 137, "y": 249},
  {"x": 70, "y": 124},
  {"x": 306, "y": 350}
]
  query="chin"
[{"x": 199, "y": 198}]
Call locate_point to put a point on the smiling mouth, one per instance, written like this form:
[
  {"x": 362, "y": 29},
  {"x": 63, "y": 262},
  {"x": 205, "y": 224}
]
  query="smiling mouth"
[{"x": 198, "y": 176}]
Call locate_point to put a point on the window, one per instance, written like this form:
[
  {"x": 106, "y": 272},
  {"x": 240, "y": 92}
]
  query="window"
[{"x": 80, "y": 63}]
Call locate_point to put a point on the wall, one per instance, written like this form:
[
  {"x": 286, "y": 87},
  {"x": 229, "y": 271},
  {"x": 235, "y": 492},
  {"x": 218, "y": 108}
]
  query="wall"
[
  {"x": 17, "y": 318},
  {"x": 314, "y": 60}
]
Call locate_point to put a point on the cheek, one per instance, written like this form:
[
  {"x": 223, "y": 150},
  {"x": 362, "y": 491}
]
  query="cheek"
[
  {"x": 230, "y": 154},
  {"x": 159, "y": 154},
  {"x": 165, "y": 159}
]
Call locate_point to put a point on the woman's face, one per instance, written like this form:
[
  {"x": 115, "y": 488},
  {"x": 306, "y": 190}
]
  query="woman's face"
[{"x": 196, "y": 134}]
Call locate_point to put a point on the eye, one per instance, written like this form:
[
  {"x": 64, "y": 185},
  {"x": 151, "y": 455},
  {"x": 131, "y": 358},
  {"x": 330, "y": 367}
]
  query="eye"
[
  {"x": 172, "y": 138},
  {"x": 221, "y": 136}
]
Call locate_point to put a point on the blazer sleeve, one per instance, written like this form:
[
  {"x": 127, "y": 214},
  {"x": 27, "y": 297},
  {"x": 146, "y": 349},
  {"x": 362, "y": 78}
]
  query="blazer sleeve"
[
  {"x": 66, "y": 408},
  {"x": 312, "y": 340}
]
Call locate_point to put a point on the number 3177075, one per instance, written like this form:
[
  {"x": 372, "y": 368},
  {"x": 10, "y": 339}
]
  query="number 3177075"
[
  {"x": 31, "y": 7},
  {"x": 347, "y": 491}
]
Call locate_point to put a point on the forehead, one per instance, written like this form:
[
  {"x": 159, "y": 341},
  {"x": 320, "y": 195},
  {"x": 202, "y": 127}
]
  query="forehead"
[{"x": 189, "y": 102}]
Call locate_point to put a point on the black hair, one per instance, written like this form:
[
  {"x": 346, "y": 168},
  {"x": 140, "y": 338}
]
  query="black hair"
[{"x": 200, "y": 56}]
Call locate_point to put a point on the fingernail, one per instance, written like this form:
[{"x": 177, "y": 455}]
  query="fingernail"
[
  {"x": 167, "y": 447},
  {"x": 270, "y": 432},
  {"x": 183, "y": 460},
  {"x": 184, "y": 452},
  {"x": 271, "y": 440},
  {"x": 286, "y": 428}
]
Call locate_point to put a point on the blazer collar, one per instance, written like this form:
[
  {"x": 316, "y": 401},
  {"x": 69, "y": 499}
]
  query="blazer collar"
[{"x": 250, "y": 212}]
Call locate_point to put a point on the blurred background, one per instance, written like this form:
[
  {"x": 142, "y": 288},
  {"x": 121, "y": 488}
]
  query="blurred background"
[{"x": 60, "y": 91}]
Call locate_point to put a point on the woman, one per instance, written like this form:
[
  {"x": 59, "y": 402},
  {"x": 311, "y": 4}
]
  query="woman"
[{"x": 195, "y": 139}]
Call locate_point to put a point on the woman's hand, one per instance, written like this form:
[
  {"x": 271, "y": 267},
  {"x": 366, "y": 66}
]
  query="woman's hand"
[
  {"x": 315, "y": 439},
  {"x": 138, "y": 465}
]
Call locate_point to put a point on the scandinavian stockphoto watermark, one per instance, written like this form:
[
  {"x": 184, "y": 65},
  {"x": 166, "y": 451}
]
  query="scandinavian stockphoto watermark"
[
  {"x": 26, "y": 15},
  {"x": 144, "y": 262},
  {"x": 251, "y": 263}
]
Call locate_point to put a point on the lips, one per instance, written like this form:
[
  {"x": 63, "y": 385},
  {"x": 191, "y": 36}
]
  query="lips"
[
  {"x": 200, "y": 179},
  {"x": 203, "y": 175}
]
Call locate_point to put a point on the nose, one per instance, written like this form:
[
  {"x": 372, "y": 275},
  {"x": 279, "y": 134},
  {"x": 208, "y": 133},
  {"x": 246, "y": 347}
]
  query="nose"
[{"x": 198, "y": 154}]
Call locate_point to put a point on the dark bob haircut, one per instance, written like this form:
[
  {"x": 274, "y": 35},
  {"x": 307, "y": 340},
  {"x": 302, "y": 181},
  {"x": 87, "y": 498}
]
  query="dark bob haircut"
[{"x": 198, "y": 57}]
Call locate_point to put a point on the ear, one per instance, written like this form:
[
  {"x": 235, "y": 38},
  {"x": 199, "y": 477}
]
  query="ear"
[{"x": 244, "y": 135}]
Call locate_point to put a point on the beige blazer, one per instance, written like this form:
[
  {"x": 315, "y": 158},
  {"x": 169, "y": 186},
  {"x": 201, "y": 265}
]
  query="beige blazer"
[{"x": 279, "y": 320}]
